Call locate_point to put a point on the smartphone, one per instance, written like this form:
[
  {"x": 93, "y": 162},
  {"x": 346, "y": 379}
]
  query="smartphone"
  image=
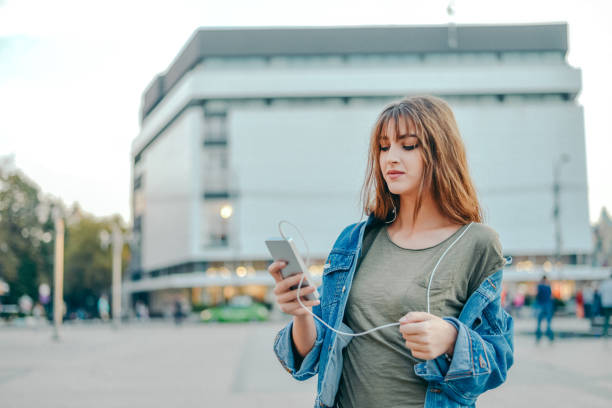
[{"x": 285, "y": 250}]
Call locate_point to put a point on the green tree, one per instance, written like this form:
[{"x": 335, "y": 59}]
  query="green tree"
[
  {"x": 27, "y": 245},
  {"x": 25, "y": 238},
  {"x": 87, "y": 265}
]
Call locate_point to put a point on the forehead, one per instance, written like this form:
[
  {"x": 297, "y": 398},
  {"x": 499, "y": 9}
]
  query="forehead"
[{"x": 392, "y": 130}]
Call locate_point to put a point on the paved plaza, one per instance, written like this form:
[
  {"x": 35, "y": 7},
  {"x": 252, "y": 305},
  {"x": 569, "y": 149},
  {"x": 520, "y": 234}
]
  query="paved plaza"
[{"x": 232, "y": 365}]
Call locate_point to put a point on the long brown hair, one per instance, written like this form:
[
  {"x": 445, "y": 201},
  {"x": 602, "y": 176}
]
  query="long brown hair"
[{"x": 445, "y": 168}]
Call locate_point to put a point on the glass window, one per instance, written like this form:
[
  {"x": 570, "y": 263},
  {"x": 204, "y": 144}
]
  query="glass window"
[{"x": 215, "y": 127}]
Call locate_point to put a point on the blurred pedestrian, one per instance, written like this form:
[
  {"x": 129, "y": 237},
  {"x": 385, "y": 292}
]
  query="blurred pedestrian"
[
  {"x": 38, "y": 312},
  {"x": 588, "y": 296},
  {"x": 142, "y": 311},
  {"x": 596, "y": 302},
  {"x": 605, "y": 290},
  {"x": 104, "y": 308},
  {"x": 507, "y": 302},
  {"x": 579, "y": 304},
  {"x": 544, "y": 303},
  {"x": 178, "y": 312},
  {"x": 517, "y": 303}
]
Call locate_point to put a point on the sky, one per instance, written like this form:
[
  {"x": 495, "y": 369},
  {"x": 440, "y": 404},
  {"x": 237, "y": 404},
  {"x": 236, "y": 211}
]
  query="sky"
[{"x": 72, "y": 74}]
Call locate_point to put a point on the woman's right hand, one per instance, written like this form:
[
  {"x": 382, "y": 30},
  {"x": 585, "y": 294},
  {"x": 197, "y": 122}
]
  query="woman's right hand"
[{"x": 287, "y": 298}]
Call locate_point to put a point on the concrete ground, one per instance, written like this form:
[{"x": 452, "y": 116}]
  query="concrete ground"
[{"x": 202, "y": 365}]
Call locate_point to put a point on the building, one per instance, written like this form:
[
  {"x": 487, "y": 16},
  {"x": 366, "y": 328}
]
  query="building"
[
  {"x": 250, "y": 126},
  {"x": 602, "y": 235}
]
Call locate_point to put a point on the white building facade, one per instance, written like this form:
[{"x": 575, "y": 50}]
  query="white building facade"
[{"x": 271, "y": 124}]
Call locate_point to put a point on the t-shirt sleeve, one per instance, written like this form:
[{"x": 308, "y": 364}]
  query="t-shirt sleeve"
[{"x": 489, "y": 258}]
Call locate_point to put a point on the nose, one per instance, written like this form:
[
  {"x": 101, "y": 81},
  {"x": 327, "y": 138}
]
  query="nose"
[{"x": 393, "y": 154}]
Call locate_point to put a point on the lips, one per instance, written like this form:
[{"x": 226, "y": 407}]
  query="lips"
[{"x": 394, "y": 174}]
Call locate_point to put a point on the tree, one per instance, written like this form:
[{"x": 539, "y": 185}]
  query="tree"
[
  {"x": 27, "y": 245},
  {"x": 25, "y": 238},
  {"x": 87, "y": 273}
]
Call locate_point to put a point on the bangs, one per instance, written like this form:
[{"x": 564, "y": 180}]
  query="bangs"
[
  {"x": 445, "y": 170},
  {"x": 396, "y": 115}
]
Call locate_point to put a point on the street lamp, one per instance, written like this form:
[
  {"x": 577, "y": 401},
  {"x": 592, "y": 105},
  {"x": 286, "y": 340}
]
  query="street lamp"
[
  {"x": 226, "y": 211},
  {"x": 58, "y": 273},
  {"x": 116, "y": 239}
]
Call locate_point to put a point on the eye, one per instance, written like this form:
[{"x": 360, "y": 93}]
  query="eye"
[
  {"x": 384, "y": 148},
  {"x": 411, "y": 147}
]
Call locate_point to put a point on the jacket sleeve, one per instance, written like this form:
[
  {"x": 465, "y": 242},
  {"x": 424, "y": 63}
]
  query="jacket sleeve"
[
  {"x": 300, "y": 368},
  {"x": 482, "y": 355}
]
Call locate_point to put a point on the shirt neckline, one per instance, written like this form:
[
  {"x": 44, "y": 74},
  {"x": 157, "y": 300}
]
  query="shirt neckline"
[{"x": 423, "y": 249}]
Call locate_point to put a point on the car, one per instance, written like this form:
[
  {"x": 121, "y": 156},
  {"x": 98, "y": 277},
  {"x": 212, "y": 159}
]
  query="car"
[
  {"x": 239, "y": 309},
  {"x": 9, "y": 312}
]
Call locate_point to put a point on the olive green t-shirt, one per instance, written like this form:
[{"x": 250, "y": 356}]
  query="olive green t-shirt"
[{"x": 390, "y": 281}]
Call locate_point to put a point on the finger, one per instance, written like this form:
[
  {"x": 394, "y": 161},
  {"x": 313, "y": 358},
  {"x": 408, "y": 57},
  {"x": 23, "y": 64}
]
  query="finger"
[
  {"x": 422, "y": 355},
  {"x": 413, "y": 317},
  {"x": 413, "y": 328},
  {"x": 416, "y": 348},
  {"x": 275, "y": 269},
  {"x": 287, "y": 283},
  {"x": 292, "y": 295},
  {"x": 416, "y": 339}
]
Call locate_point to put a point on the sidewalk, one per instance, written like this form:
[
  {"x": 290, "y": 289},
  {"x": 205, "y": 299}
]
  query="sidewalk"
[{"x": 159, "y": 364}]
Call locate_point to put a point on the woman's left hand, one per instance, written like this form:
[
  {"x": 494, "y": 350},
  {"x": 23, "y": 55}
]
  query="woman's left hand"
[{"x": 427, "y": 336}]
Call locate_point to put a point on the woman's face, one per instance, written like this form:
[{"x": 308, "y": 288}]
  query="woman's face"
[{"x": 400, "y": 160}]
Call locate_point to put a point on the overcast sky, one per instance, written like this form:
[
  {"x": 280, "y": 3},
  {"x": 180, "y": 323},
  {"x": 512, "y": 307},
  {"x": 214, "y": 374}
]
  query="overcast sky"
[{"x": 72, "y": 75}]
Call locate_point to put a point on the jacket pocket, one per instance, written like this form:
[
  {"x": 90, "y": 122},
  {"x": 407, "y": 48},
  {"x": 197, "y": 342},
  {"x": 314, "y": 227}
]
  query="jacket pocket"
[{"x": 335, "y": 272}]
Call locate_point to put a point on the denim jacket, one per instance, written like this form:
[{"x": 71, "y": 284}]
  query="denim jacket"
[{"x": 483, "y": 350}]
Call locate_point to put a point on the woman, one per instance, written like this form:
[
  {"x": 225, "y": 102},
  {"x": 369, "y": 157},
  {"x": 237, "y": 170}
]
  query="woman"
[{"x": 422, "y": 258}]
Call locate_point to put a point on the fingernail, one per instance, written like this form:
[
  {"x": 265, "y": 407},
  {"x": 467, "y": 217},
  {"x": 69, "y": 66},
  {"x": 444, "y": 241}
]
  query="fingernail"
[{"x": 403, "y": 319}]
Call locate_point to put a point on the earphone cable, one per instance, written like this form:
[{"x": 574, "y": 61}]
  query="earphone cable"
[{"x": 375, "y": 328}]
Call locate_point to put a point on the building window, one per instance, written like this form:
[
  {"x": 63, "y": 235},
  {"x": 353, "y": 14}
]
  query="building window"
[
  {"x": 215, "y": 155},
  {"x": 215, "y": 127},
  {"x": 215, "y": 169},
  {"x": 138, "y": 182}
]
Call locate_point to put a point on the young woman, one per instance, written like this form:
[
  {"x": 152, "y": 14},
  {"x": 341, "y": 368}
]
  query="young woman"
[{"x": 422, "y": 259}]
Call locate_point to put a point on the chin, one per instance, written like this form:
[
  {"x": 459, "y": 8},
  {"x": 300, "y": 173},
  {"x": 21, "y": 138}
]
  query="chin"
[{"x": 402, "y": 190}]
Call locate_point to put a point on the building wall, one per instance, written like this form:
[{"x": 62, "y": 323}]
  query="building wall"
[
  {"x": 297, "y": 132},
  {"x": 512, "y": 149},
  {"x": 303, "y": 164},
  {"x": 306, "y": 164},
  {"x": 367, "y": 75},
  {"x": 171, "y": 188}
]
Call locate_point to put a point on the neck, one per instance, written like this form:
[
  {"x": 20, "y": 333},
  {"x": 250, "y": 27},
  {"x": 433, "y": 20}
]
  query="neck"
[{"x": 428, "y": 217}]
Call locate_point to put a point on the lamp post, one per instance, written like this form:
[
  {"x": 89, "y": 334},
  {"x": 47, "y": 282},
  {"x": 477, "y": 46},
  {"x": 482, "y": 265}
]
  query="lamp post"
[
  {"x": 58, "y": 276},
  {"x": 564, "y": 158},
  {"x": 115, "y": 239}
]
